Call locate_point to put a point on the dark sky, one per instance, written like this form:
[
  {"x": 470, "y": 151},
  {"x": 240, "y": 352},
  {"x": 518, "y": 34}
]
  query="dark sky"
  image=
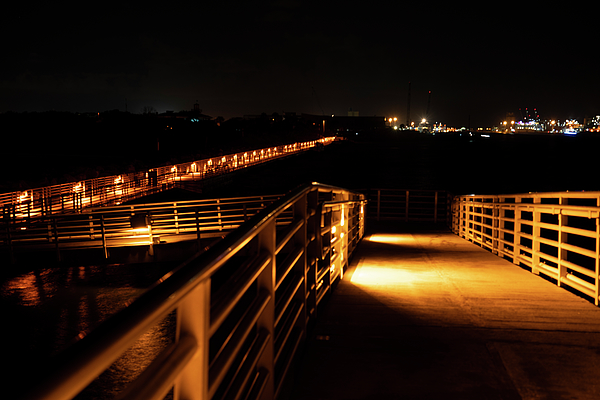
[{"x": 238, "y": 58}]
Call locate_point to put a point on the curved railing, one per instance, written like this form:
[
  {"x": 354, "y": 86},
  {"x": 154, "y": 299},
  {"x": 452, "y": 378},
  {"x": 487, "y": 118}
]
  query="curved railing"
[
  {"x": 114, "y": 190},
  {"x": 242, "y": 308},
  {"x": 556, "y": 234}
]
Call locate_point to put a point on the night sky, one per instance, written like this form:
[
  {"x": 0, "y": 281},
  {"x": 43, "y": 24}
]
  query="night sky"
[{"x": 236, "y": 58}]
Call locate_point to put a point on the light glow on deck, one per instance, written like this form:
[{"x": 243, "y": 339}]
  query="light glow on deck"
[
  {"x": 382, "y": 275},
  {"x": 389, "y": 239}
]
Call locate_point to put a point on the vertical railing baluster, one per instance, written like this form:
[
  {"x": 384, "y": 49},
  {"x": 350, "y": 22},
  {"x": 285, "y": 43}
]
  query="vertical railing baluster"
[
  {"x": 266, "y": 322},
  {"x": 193, "y": 323}
]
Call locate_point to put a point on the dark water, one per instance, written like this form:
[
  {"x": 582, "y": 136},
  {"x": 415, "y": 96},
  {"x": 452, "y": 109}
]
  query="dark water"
[
  {"x": 45, "y": 309},
  {"x": 460, "y": 164}
]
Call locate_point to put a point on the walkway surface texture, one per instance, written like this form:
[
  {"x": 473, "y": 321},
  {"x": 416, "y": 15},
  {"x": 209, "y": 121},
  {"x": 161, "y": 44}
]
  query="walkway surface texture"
[{"x": 429, "y": 315}]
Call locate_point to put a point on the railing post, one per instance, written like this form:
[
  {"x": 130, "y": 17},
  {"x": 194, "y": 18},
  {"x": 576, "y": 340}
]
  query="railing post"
[
  {"x": 517, "y": 232},
  {"x": 301, "y": 211},
  {"x": 91, "y": 218},
  {"x": 103, "y": 236},
  {"x": 313, "y": 252},
  {"x": 266, "y": 322},
  {"x": 219, "y": 214},
  {"x": 535, "y": 243},
  {"x": 176, "y": 217},
  {"x": 495, "y": 224},
  {"x": 562, "y": 238},
  {"x": 193, "y": 319}
]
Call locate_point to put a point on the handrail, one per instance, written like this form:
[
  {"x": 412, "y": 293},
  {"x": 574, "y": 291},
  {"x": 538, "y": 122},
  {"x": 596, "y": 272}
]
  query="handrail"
[
  {"x": 105, "y": 227},
  {"x": 556, "y": 234},
  {"x": 113, "y": 190},
  {"x": 408, "y": 205},
  {"x": 257, "y": 352}
]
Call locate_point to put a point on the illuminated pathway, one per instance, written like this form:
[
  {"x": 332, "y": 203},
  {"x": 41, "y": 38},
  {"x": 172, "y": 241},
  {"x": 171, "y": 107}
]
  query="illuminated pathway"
[{"x": 428, "y": 315}]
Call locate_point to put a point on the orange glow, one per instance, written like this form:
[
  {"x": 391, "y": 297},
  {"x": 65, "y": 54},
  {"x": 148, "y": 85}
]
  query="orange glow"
[
  {"x": 380, "y": 275},
  {"x": 390, "y": 239},
  {"x": 23, "y": 196}
]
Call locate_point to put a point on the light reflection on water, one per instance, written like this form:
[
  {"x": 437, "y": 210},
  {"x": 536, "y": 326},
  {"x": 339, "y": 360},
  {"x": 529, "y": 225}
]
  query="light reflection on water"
[{"x": 47, "y": 308}]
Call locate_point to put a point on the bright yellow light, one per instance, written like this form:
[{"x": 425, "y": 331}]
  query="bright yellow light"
[
  {"x": 333, "y": 230},
  {"x": 382, "y": 276},
  {"x": 389, "y": 239}
]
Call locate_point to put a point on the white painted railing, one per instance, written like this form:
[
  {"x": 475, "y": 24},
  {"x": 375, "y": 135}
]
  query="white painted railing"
[
  {"x": 242, "y": 308},
  {"x": 555, "y": 234}
]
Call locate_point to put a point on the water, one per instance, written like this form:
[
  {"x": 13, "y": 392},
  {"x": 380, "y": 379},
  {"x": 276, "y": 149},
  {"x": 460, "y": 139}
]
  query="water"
[{"x": 46, "y": 309}]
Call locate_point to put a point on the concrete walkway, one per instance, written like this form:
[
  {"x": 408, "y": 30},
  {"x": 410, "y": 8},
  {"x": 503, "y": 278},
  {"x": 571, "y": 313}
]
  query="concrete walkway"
[{"x": 428, "y": 315}]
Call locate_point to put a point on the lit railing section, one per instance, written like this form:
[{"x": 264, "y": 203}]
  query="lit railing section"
[
  {"x": 114, "y": 190},
  {"x": 132, "y": 225},
  {"x": 555, "y": 234},
  {"x": 242, "y": 308}
]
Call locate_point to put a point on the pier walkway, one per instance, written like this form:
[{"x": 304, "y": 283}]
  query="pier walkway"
[{"x": 424, "y": 314}]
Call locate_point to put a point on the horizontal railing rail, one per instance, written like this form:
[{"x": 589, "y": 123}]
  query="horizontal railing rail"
[
  {"x": 242, "y": 308},
  {"x": 408, "y": 205},
  {"x": 132, "y": 225},
  {"x": 556, "y": 234},
  {"x": 114, "y": 190}
]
